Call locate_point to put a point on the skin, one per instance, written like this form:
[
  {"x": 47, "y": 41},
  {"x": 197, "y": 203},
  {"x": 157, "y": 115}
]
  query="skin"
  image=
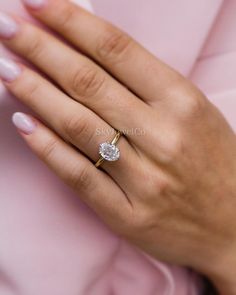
[{"x": 173, "y": 191}]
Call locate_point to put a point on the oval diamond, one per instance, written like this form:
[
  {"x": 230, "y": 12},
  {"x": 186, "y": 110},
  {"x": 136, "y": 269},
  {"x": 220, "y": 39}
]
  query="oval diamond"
[{"x": 109, "y": 151}]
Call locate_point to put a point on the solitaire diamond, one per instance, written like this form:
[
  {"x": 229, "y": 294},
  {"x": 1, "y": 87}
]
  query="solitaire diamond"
[{"x": 109, "y": 151}]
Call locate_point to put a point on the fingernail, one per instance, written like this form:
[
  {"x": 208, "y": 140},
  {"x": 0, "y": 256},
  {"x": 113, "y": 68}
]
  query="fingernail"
[
  {"x": 9, "y": 70},
  {"x": 24, "y": 123},
  {"x": 8, "y": 26},
  {"x": 35, "y": 4}
]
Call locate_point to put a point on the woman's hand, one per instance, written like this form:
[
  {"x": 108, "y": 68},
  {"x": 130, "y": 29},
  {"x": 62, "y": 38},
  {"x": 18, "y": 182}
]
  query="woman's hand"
[{"x": 173, "y": 190}]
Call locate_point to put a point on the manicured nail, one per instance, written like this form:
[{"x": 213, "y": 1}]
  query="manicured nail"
[
  {"x": 35, "y": 4},
  {"x": 24, "y": 123},
  {"x": 8, "y": 26},
  {"x": 9, "y": 70}
]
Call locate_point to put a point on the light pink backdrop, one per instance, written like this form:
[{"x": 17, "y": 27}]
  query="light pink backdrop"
[{"x": 50, "y": 243}]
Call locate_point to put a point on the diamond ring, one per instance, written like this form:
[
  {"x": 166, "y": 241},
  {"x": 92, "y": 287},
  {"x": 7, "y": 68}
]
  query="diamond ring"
[{"x": 108, "y": 151}]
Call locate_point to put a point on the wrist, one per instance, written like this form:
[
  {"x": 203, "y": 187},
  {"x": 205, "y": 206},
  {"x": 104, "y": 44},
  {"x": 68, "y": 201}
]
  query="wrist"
[
  {"x": 224, "y": 284},
  {"x": 219, "y": 261},
  {"x": 222, "y": 272}
]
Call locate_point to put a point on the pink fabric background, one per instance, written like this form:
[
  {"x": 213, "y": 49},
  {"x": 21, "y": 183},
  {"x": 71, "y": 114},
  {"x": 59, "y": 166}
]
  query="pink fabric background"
[{"x": 50, "y": 243}]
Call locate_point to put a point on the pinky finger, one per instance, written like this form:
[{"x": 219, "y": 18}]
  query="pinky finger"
[{"x": 94, "y": 187}]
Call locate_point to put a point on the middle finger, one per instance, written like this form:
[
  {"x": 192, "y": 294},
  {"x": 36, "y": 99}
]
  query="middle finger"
[{"x": 82, "y": 79}]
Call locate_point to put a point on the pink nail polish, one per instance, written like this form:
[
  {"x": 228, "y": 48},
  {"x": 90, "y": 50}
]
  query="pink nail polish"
[
  {"x": 9, "y": 70},
  {"x": 35, "y": 4},
  {"x": 24, "y": 123},
  {"x": 8, "y": 26}
]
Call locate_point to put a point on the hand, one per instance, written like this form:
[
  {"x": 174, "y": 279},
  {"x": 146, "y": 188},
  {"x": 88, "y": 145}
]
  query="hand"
[{"x": 173, "y": 190}]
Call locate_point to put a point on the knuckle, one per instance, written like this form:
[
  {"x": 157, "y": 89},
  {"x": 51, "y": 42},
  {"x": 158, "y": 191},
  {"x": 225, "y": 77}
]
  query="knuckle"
[
  {"x": 113, "y": 44},
  {"x": 34, "y": 48},
  {"x": 80, "y": 179},
  {"x": 65, "y": 16},
  {"x": 48, "y": 150},
  {"x": 190, "y": 101},
  {"x": 161, "y": 186},
  {"x": 195, "y": 107},
  {"x": 29, "y": 92},
  {"x": 87, "y": 82},
  {"x": 142, "y": 221},
  {"x": 174, "y": 150},
  {"x": 195, "y": 103},
  {"x": 178, "y": 148},
  {"x": 76, "y": 127},
  {"x": 158, "y": 183}
]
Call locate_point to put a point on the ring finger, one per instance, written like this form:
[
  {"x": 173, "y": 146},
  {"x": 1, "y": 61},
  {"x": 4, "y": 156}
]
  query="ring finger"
[{"x": 74, "y": 122}]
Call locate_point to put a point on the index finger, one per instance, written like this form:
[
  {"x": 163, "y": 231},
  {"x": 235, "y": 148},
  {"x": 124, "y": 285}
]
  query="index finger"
[{"x": 113, "y": 49}]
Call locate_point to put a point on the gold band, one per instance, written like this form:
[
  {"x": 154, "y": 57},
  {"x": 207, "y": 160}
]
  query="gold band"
[
  {"x": 116, "y": 138},
  {"x": 113, "y": 142}
]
